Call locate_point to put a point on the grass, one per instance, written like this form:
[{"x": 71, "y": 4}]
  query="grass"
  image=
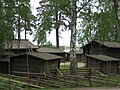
[
  {"x": 17, "y": 85},
  {"x": 65, "y": 66},
  {"x": 62, "y": 88},
  {"x": 96, "y": 82},
  {"x": 115, "y": 78}
]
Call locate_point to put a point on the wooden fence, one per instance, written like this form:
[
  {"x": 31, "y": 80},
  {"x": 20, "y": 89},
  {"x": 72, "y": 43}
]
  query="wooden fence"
[
  {"x": 87, "y": 77},
  {"x": 93, "y": 76}
]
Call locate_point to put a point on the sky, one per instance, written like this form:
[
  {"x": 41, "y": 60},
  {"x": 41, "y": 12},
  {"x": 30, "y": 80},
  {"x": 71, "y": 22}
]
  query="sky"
[{"x": 64, "y": 36}]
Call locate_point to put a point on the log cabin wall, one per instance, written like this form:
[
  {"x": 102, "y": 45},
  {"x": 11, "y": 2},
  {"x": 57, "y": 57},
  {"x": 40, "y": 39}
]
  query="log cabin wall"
[
  {"x": 51, "y": 66},
  {"x": 19, "y": 64},
  {"x": 114, "y": 52},
  {"x": 98, "y": 51},
  {"x": 36, "y": 65},
  {"x": 110, "y": 67},
  {"x": 95, "y": 49},
  {"x": 4, "y": 67},
  {"x": 93, "y": 63},
  {"x": 111, "y": 49}
]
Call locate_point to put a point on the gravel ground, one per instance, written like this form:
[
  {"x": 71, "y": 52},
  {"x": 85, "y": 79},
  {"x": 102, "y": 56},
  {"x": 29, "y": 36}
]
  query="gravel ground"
[{"x": 80, "y": 64}]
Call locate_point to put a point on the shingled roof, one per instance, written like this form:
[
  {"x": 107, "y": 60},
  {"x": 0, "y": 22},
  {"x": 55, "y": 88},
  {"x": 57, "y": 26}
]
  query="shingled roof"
[
  {"x": 103, "y": 58},
  {"x": 21, "y": 44},
  {"x": 44, "y": 56},
  {"x": 50, "y": 50},
  {"x": 109, "y": 44}
]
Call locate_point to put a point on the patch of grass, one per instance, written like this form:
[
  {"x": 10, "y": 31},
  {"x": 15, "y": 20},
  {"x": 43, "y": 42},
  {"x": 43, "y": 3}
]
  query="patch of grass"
[
  {"x": 115, "y": 78},
  {"x": 64, "y": 66},
  {"x": 50, "y": 88}
]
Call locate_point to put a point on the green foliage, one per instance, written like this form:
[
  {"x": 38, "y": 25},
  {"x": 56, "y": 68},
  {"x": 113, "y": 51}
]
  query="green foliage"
[
  {"x": 50, "y": 17},
  {"x": 6, "y": 24},
  {"x": 24, "y": 20},
  {"x": 98, "y": 21},
  {"x": 40, "y": 37},
  {"x": 13, "y": 18}
]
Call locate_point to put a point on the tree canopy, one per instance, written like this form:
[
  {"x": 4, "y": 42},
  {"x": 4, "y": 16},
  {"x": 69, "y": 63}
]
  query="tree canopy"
[
  {"x": 15, "y": 16},
  {"x": 98, "y": 21},
  {"x": 50, "y": 17}
]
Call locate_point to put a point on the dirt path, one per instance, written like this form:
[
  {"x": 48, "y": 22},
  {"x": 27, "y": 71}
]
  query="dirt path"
[{"x": 80, "y": 64}]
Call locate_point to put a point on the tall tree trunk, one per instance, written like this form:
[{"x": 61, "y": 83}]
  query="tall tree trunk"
[
  {"x": 25, "y": 28},
  {"x": 57, "y": 30},
  {"x": 19, "y": 28},
  {"x": 57, "y": 37},
  {"x": 73, "y": 61},
  {"x": 19, "y": 31},
  {"x": 25, "y": 20}
]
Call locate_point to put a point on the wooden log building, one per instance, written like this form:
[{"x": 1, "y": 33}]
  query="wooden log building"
[
  {"x": 107, "y": 48},
  {"x": 35, "y": 62},
  {"x": 4, "y": 62},
  {"x": 104, "y": 64},
  {"x": 20, "y": 46},
  {"x": 103, "y": 55},
  {"x": 54, "y": 51},
  {"x": 14, "y": 47}
]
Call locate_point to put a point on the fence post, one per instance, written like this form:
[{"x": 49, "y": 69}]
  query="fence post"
[
  {"x": 77, "y": 80},
  {"x": 89, "y": 76},
  {"x": 63, "y": 80}
]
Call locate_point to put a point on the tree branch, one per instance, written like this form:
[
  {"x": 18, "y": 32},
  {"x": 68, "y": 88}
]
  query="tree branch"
[{"x": 83, "y": 6}]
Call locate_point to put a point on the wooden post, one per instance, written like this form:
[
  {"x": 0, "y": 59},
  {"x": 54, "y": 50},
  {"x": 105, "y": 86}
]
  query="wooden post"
[
  {"x": 77, "y": 80},
  {"x": 89, "y": 76},
  {"x": 9, "y": 71},
  {"x": 107, "y": 68},
  {"x": 9, "y": 66},
  {"x": 28, "y": 75},
  {"x": 64, "y": 80}
]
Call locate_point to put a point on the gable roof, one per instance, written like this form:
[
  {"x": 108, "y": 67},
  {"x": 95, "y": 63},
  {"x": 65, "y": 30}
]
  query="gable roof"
[
  {"x": 20, "y": 44},
  {"x": 103, "y": 58},
  {"x": 109, "y": 44},
  {"x": 8, "y": 54},
  {"x": 50, "y": 50},
  {"x": 44, "y": 56}
]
